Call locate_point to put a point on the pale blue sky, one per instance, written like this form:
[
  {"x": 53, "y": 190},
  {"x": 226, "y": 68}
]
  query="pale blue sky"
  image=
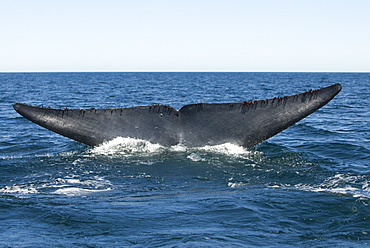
[{"x": 185, "y": 35}]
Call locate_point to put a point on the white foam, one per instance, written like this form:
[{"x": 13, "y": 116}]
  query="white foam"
[
  {"x": 47, "y": 155},
  {"x": 19, "y": 189},
  {"x": 195, "y": 157},
  {"x": 227, "y": 149},
  {"x": 179, "y": 148},
  {"x": 70, "y": 186},
  {"x": 76, "y": 191},
  {"x": 127, "y": 147},
  {"x": 347, "y": 190},
  {"x": 72, "y": 181},
  {"x": 75, "y": 186},
  {"x": 235, "y": 185},
  {"x": 355, "y": 186}
]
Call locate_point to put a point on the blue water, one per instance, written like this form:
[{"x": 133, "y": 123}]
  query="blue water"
[{"x": 309, "y": 186}]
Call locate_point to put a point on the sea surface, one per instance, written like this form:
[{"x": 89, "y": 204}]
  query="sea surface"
[{"x": 308, "y": 186}]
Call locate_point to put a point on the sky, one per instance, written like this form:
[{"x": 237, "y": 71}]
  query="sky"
[{"x": 185, "y": 35}]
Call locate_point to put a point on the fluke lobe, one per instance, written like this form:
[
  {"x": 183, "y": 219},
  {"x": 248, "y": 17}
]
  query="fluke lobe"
[{"x": 242, "y": 123}]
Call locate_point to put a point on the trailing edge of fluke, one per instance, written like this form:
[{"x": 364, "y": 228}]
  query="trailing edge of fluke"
[{"x": 194, "y": 125}]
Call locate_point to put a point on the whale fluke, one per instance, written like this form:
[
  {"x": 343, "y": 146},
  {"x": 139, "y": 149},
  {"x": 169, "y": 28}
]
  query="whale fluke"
[{"x": 242, "y": 123}]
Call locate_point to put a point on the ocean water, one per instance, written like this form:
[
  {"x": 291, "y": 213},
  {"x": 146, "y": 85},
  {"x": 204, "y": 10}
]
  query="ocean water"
[{"x": 308, "y": 186}]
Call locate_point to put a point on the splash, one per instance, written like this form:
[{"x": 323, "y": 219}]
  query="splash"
[
  {"x": 127, "y": 147},
  {"x": 227, "y": 149}
]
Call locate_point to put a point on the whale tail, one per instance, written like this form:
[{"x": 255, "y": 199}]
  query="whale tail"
[{"x": 243, "y": 123}]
